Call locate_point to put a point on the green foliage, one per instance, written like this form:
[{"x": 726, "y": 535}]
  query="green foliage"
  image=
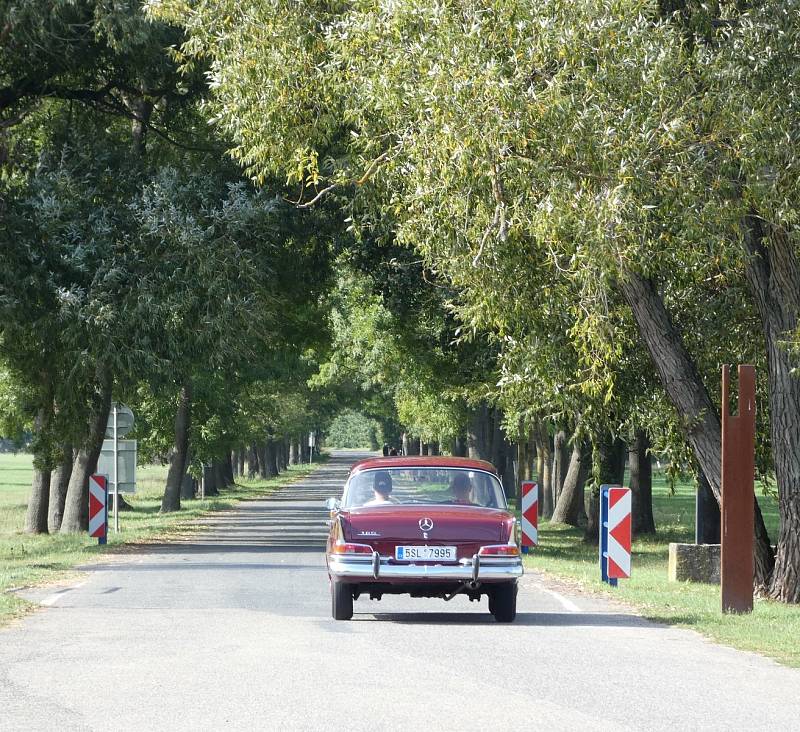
[
  {"x": 351, "y": 429},
  {"x": 155, "y": 263},
  {"x": 391, "y": 361},
  {"x": 534, "y": 155}
]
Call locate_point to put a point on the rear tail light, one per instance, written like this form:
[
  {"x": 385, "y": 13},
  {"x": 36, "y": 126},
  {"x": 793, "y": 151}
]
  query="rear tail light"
[
  {"x": 499, "y": 550},
  {"x": 347, "y": 548}
]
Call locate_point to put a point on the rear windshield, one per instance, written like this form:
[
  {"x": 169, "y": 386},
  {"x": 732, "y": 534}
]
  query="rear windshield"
[{"x": 440, "y": 486}]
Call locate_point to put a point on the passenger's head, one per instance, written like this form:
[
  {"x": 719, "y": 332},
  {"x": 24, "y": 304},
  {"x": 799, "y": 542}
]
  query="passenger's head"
[
  {"x": 382, "y": 483},
  {"x": 461, "y": 485}
]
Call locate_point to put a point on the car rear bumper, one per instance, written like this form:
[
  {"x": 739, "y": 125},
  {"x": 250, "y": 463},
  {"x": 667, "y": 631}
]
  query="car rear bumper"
[{"x": 380, "y": 568}]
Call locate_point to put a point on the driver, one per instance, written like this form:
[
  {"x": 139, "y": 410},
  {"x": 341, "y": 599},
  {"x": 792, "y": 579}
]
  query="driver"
[
  {"x": 382, "y": 489},
  {"x": 461, "y": 487}
]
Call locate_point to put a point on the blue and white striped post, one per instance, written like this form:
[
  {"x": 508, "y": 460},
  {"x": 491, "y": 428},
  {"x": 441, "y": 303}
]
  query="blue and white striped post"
[{"x": 604, "y": 536}]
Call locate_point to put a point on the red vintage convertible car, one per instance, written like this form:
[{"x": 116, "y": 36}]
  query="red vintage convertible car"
[{"x": 423, "y": 526}]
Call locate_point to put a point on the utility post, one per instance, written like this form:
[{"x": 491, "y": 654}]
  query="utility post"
[{"x": 738, "y": 459}]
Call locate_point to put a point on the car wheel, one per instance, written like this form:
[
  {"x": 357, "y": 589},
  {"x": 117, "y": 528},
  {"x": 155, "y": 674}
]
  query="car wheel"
[
  {"x": 341, "y": 601},
  {"x": 503, "y": 603}
]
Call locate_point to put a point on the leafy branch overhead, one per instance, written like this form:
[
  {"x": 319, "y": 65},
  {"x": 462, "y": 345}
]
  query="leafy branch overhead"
[{"x": 555, "y": 162}]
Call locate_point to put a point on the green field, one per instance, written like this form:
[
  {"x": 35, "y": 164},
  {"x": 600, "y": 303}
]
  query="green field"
[
  {"x": 773, "y": 628},
  {"x": 28, "y": 560}
]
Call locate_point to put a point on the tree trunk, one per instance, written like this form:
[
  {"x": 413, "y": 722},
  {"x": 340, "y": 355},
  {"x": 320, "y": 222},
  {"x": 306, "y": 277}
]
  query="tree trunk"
[
  {"x": 641, "y": 484},
  {"x": 261, "y": 449},
  {"x": 707, "y": 515},
  {"x": 227, "y": 466},
  {"x": 59, "y": 481},
  {"x": 478, "y": 437},
  {"x": 283, "y": 454},
  {"x": 39, "y": 500},
  {"x": 620, "y": 459},
  {"x": 773, "y": 274},
  {"x": 612, "y": 457},
  {"x": 36, "y": 516},
  {"x": 188, "y": 487},
  {"x": 496, "y": 439},
  {"x": 507, "y": 469},
  {"x": 240, "y": 455},
  {"x": 688, "y": 394},
  {"x": 76, "y": 504},
  {"x": 560, "y": 463},
  {"x": 539, "y": 456},
  {"x": 271, "y": 456},
  {"x": 220, "y": 478},
  {"x": 252, "y": 461},
  {"x": 523, "y": 458},
  {"x": 544, "y": 454},
  {"x": 459, "y": 447},
  {"x": 141, "y": 110},
  {"x": 570, "y": 506},
  {"x": 212, "y": 484},
  {"x": 293, "y": 458},
  {"x": 608, "y": 452},
  {"x": 234, "y": 458},
  {"x": 171, "y": 500}
]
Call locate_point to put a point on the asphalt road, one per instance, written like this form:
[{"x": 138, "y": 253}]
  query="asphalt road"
[{"x": 233, "y": 631}]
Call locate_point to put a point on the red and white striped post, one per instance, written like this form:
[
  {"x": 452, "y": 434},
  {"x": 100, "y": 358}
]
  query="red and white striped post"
[
  {"x": 530, "y": 515},
  {"x": 98, "y": 508},
  {"x": 615, "y": 533}
]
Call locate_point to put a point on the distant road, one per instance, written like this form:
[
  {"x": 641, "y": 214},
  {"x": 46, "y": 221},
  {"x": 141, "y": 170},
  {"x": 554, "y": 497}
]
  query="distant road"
[{"x": 233, "y": 631}]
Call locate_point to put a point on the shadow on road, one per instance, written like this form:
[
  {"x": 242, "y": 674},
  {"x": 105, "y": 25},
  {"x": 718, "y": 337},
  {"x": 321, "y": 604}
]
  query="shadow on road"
[
  {"x": 205, "y": 566},
  {"x": 232, "y": 548},
  {"x": 536, "y": 619}
]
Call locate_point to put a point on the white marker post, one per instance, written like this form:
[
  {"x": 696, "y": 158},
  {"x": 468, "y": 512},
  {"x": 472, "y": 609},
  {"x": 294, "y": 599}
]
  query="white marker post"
[{"x": 116, "y": 475}]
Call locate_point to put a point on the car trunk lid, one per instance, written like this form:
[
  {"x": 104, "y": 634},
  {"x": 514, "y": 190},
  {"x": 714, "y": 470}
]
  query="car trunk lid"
[{"x": 465, "y": 527}]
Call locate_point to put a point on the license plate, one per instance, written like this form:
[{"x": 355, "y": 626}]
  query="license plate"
[{"x": 425, "y": 553}]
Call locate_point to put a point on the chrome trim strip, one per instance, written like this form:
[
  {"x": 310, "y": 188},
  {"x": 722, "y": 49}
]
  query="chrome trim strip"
[{"x": 345, "y": 567}]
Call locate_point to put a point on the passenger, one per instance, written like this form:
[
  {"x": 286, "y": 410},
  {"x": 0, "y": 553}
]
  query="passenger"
[
  {"x": 461, "y": 487},
  {"x": 393, "y": 452},
  {"x": 382, "y": 488},
  {"x": 385, "y": 450}
]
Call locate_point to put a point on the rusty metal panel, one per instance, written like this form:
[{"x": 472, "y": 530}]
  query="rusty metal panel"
[{"x": 738, "y": 457}]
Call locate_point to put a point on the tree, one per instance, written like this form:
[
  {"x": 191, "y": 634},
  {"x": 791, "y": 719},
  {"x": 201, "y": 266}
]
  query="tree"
[{"x": 629, "y": 153}]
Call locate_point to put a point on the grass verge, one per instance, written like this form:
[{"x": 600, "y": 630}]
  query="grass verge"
[
  {"x": 27, "y": 560},
  {"x": 772, "y": 629}
]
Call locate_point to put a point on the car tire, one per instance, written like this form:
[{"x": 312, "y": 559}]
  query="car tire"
[
  {"x": 503, "y": 602},
  {"x": 341, "y": 601}
]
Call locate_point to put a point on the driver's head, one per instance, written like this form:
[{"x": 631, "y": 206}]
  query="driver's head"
[
  {"x": 461, "y": 485},
  {"x": 383, "y": 483}
]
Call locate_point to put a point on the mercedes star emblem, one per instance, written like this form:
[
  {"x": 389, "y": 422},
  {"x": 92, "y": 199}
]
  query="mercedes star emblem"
[{"x": 425, "y": 524}]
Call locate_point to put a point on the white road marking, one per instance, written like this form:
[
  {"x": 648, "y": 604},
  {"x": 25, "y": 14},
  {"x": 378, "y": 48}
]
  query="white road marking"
[
  {"x": 565, "y": 602},
  {"x": 54, "y": 598}
]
